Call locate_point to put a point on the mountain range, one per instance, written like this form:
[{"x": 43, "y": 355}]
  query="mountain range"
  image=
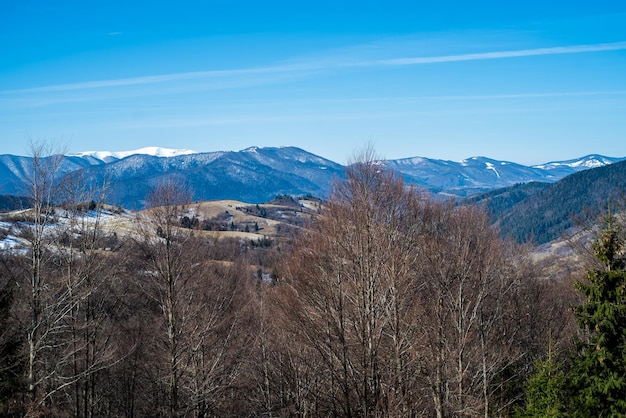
[
  {"x": 542, "y": 212},
  {"x": 479, "y": 174},
  {"x": 258, "y": 174}
]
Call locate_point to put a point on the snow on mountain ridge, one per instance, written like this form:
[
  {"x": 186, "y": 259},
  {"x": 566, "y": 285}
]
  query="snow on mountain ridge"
[
  {"x": 490, "y": 166},
  {"x": 153, "y": 151},
  {"x": 588, "y": 161}
]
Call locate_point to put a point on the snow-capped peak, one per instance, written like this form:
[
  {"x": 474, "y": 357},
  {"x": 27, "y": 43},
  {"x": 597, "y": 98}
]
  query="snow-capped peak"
[
  {"x": 153, "y": 151},
  {"x": 588, "y": 161}
]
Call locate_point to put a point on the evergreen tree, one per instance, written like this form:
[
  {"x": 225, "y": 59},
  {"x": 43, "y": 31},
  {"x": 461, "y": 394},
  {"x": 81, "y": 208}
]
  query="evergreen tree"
[
  {"x": 545, "y": 390},
  {"x": 598, "y": 375}
]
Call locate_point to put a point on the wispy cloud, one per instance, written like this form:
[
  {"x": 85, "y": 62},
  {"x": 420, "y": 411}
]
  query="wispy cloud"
[
  {"x": 575, "y": 49},
  {"x": 159, "y": 79},
  {"x": 313, "y": 66}
]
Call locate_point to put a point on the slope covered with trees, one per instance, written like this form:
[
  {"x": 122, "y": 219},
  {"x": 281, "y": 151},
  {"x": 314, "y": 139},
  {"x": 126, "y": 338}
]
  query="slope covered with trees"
[
  {"x": 543, "y": 212},
  {"x": 389, "y": 303}
]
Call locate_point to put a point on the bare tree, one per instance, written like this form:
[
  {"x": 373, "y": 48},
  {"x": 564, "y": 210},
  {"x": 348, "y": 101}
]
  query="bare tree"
[
  {"x": 87, "y": 275},
  {"x": 201, "y": 305},
  {"x": 469, "y": 285},
  {"x": 398, "y": 298},
  {"x": 352, "y": 290},
  {"x": 54, "y": 307},
  {"x": 45, "y": 303}
]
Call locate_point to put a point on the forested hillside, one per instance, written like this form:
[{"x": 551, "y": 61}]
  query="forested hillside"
[
  {"x": 500, "y": 201},
  {"x": 542, "y": 212},
  {"x": 381, "y": 301}
]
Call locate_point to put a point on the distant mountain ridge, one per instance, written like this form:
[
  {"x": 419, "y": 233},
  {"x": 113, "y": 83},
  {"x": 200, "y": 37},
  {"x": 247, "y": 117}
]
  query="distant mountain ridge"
[
  {"x": 258, "y": 174},
  {"x": 541, "y": 212},
  {"x": 480, "y": 174},
  {"x": 110, "y": 156}
]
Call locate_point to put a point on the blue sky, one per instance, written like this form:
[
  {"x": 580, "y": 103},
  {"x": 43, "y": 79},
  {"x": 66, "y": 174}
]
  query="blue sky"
[{"x": 529, "y": 82}]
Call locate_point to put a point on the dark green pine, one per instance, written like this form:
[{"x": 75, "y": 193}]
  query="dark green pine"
[{"x": 598, "y": 375}]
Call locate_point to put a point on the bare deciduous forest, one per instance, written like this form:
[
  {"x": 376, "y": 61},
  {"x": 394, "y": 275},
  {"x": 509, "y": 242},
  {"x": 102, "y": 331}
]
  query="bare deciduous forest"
[{"x": 389, "y": 304}]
